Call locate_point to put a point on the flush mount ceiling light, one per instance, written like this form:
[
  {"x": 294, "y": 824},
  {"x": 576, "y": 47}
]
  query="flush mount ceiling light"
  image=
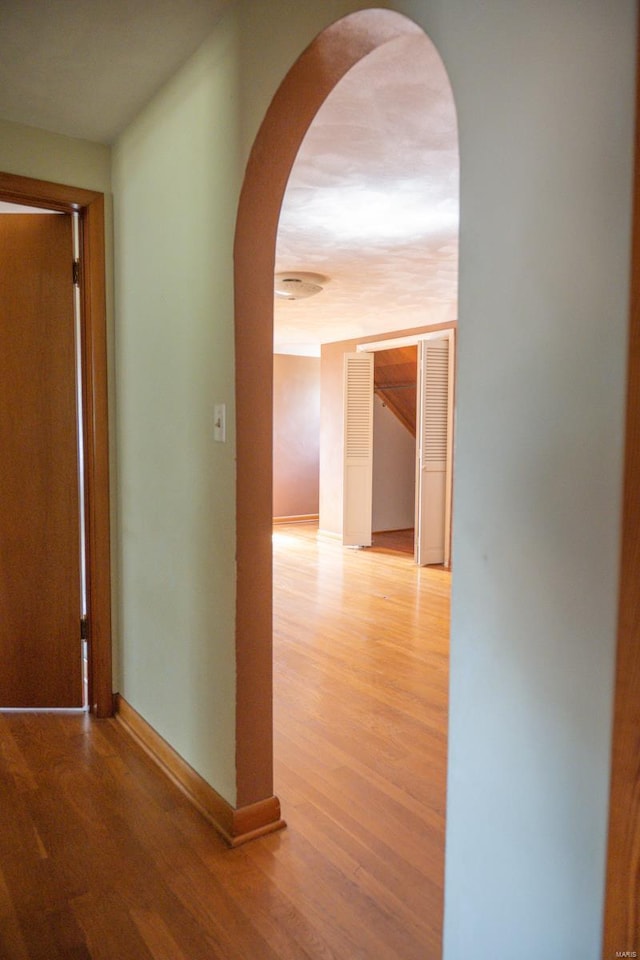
[{"x": 298, "y": 286}]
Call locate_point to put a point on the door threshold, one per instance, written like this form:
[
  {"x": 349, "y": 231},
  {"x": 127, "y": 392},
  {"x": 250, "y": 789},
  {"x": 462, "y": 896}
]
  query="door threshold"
[{"x": 44, "y": 710}]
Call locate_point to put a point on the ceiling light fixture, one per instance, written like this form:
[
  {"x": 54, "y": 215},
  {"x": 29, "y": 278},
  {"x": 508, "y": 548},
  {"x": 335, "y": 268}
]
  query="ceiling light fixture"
[{"x": 298, "y": 286}]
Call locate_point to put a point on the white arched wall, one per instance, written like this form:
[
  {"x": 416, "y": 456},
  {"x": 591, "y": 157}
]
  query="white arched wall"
[{"x": 546, "y": 160}]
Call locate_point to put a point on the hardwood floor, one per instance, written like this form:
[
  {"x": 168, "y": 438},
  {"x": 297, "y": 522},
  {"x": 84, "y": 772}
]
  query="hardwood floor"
[
  {"x": 102, "y": 859},
  {"x": 393, "y": 541}
]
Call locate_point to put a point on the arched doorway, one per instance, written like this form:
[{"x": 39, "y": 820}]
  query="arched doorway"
[{"x": 307, "y": 85}]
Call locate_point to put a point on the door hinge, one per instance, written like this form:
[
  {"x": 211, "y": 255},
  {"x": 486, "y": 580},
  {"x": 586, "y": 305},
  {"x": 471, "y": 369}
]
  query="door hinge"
[
  {"x": 76, "y": 272},
  {"x": 84, "y": 628}
]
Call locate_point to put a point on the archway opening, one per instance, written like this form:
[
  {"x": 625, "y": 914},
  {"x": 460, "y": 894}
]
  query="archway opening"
[{"x": 307, "y": 86}]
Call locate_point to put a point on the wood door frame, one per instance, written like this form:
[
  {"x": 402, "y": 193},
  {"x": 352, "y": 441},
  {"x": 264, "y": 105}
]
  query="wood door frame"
[
  {"x": 622, "y": 906},
  {"x": 307, "y": 84},
  {"x": 89, "y": 204}
]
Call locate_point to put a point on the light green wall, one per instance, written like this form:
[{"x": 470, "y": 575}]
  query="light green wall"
[
  {"x": 30, "y": 152},
  {"x": 176, "y": 181}
]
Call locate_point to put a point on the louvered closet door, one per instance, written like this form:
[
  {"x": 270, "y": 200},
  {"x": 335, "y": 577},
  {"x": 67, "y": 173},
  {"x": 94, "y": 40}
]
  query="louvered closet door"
[
  {"x": 435, "y": 421},
  {"x": 358, "y": 449}
]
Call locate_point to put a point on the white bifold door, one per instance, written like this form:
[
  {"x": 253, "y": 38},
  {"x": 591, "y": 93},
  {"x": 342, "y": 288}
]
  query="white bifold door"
[
  {"x": 434, "y": 434},
  {"x": 434, "y": 449},
  {"x": 358, "y": 450}
]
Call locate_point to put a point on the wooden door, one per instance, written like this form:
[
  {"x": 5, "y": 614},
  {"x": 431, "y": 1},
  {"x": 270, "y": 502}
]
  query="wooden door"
[{"x": 40, "y": 652}]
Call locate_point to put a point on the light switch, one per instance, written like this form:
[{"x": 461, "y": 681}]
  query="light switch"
[{"x": 220, "y": 422}]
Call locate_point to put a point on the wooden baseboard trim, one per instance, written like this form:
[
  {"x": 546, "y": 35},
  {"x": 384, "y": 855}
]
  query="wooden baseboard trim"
[
  {"x": 235, "y": 825},
  {"x": 299, "y": 518}
]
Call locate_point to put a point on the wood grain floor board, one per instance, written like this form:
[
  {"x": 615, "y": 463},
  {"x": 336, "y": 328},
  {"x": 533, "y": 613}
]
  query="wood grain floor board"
[
  {"x": 382, "y": 871},
  {"x": 158, "y": 939},
  {"x": 355, "y": 787},
  {"x": 282, "y": 923},
  {"x": 109, "y": 928},
  {"x": 330, "y": 904}
]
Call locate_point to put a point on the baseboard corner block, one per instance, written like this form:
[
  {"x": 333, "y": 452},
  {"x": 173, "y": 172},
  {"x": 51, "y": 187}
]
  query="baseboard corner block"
[{"x": 235, "y": 825}]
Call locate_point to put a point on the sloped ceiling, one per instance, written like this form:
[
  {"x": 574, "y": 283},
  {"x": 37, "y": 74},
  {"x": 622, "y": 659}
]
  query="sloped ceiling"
[{"x": 395, "y": 382}]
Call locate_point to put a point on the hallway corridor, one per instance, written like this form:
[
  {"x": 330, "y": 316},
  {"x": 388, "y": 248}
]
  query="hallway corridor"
[{"x": 101, "y": 858}]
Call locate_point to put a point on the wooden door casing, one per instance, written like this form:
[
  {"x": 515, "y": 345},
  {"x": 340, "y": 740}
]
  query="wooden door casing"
[
  {"x": 90, "y": 205},
  {"x": 622, "y": 905}
]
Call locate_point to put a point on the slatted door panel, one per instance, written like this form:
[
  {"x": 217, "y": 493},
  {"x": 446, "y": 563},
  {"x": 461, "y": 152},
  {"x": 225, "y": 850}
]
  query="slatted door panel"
[
  {"x": 40, "y": 657},
  {"x": 358, "y": 449},
  {"x": 435, "y": 421}
]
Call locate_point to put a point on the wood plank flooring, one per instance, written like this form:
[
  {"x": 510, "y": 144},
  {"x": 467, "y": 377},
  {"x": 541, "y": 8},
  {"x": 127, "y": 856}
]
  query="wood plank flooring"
[
  {"x": 102, "y": 859},
  {"x": 393, "y": 541}
]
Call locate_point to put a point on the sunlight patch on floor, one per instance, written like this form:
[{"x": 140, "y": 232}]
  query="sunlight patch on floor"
[{"x": 285, "y": 540}]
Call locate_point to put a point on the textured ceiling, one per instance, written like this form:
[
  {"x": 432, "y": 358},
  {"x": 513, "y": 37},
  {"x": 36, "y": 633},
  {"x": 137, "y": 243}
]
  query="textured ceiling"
[
  {"x": 372, "y": 203},
  {"x": 84, "y": 68}
]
